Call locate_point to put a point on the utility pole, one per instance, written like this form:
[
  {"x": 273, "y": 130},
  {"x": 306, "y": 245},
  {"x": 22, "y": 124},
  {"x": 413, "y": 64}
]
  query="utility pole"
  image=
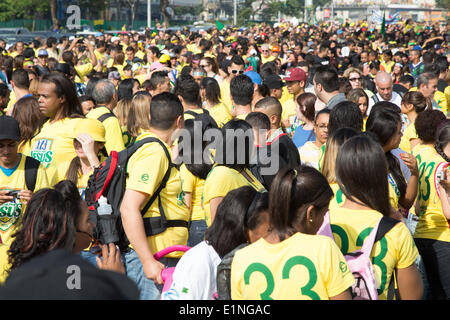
[
  {"x": 149, "y": 14},
  {"x": 235, "y": 12}
]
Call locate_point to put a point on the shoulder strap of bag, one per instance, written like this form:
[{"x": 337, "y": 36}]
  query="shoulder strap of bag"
[
  {"x": 105, "y": 116},
  {"x": 386, "y": 224},
  {"x": 31, "y": 171},
  {"x": 166, "y": 175}
]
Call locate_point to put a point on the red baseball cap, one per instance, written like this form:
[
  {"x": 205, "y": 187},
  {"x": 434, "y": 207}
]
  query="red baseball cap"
[{"x": 295, "y": 74}]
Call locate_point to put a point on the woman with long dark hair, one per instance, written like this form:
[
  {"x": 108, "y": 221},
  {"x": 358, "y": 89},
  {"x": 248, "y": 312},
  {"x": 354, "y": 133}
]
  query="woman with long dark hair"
[
  {"x": 210, "y": 93},
  {"x": 298, "y": 201},
  {"x": 231, "y": 170},
  {"x": 193, "y": 172},
  {"x": 385, "y": 125},
  {"x": 362, "y": 175}
]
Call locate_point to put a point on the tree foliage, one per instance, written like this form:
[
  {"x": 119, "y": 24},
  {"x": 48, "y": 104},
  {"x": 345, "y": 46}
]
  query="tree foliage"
[{"x": 22, "y": 9}]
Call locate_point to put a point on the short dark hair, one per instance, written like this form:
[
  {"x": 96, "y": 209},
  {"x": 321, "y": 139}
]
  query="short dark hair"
[
  {"x": 189, "y": 90},
  {"x": 270, "y": 103},
  {"x": 165, "y": 108},
  {"x": 236, "y": 59},
  {"x": 158, "y": 77},
  {"x": 327, "y": 77},
  {"x": 426, "y": 124},
  {"x": 258, "y": 120},
  {"x": 406, "y": 78},
  {"x": 3, "y": 90},
  {"x": 20, "y": 78},
  {"x": 241, "y": 89}
]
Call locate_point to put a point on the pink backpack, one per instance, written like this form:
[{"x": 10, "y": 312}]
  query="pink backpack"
[{"x": 359, "y": 261}]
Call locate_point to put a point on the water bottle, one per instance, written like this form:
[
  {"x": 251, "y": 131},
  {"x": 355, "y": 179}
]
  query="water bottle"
[
  {"x": 104, "y": 207},
  {"x": 107, "y": 222}
]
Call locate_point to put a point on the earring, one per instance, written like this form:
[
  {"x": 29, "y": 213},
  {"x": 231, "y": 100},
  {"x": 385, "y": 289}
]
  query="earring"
[{"x": 310, "y": 220}]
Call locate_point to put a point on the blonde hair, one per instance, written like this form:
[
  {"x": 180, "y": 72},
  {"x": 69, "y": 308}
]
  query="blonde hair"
[
  {"x": 139, "y": 115},
  {"x": 329, "y": 160},
  {"x": 352, "y": 70},
  {"x": 33, "y": 88},
  {"x": 335, "y": 141},
  {"x": 122, "y": 110}
]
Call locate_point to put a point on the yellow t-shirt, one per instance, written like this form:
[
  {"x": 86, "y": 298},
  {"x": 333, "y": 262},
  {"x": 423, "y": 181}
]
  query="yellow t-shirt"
[
  {"x": 83, "y": 70},
  {"x": 338, "y": 198},
  {"x": 289, "y": 111},
  {"x": 387, "y": 66},
  {"x": 220, "y": 114},
  {"x": 241, "y": 116},
  {"x": 395, "y": 250},
  {"x": 113, "y": 131},
  {"x": 309, "y": 154},
  {"x": 194, "y": 185},
  {"x": 268, "y": 59},
  {"x": 54, "y": 143},
  {"x": 222, "y": 180},
  {"x": 225, "y": 95},
  {"x": 409, "y": 134},
  {"x": 394, "y": 192},
  {"x": 303, "y": 267},
  {"x": 432, "y": 222},
  {"x": 11, "y": 212},
  {"x": 146, "y": 178},
  {"x": 286, "y": 96}
]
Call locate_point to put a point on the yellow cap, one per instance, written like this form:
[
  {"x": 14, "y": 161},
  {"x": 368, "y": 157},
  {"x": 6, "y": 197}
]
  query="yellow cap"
[
  {"x": 93, "y": 127},
  {"x": 164, "y": 58}
]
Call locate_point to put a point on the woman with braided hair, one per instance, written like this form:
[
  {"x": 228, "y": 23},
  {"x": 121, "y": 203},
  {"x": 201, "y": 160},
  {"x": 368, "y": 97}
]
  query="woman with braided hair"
[{"x": 432, "y": 234}]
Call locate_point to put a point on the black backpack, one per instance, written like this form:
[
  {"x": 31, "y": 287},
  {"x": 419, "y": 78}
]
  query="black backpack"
[
  {"x": 223, "y": 277},
  {"x": 109, "y": 180},
  {"x": 205, "y": 115}
]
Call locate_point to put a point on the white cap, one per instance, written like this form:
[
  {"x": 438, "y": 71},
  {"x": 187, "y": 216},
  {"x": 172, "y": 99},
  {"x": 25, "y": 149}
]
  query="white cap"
[{"x": 345, "y": 51}]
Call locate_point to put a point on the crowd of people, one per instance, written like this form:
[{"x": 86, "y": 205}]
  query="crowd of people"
[{"x": 321, "y": 126}]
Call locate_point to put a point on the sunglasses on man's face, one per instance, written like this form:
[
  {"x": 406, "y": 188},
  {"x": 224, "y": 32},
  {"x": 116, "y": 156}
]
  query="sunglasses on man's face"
[{"x": 237, "y": 71}]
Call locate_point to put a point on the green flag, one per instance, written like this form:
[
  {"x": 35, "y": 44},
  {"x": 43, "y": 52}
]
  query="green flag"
[
  {"x": 383, "y": 27},
  {"x": 219, "y": 25}
]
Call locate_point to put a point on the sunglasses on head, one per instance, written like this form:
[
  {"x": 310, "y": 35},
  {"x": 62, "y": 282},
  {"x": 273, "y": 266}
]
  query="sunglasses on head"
[{"x": 237, "y": 71}]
